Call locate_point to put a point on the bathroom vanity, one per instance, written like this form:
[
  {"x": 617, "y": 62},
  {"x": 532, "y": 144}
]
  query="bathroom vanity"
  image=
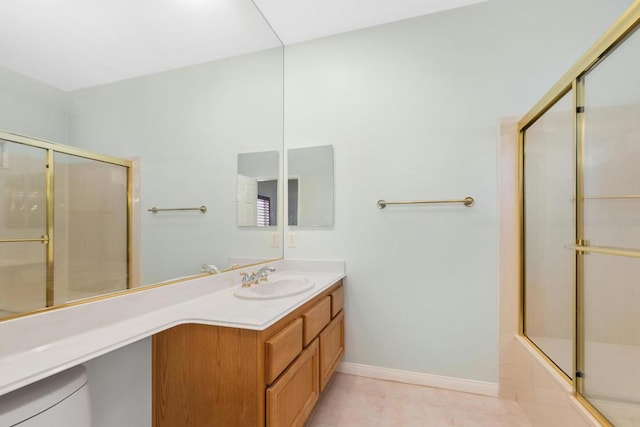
[
  {"x": 219, "y": 358},
  {"x": 214, "y": 375}
]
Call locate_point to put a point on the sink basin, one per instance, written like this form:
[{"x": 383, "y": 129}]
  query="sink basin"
[{"x": 278, "y": 288}]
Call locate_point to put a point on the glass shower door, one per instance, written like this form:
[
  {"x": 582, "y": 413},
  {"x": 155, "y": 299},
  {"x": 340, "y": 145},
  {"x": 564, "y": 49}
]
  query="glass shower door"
[
  {"x": 549, "y": 222},
  {"x": 23, "y": 228},
  {"x": 611, "y": 216}
]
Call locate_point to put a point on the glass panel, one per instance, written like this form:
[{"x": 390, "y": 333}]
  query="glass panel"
[
  {"x": 612, "y": 199},
  {"x": 550, "y": 225},
  {"x": 612, "y": 99},
  {"x": 612, "y": 336},
  {"x": 612, "y": 222},
  {"x": 612, "y": 133},
  {"x": 91, "y": 228},
  {"x": 23, "y": 183},
  {"x": 23, "y": 277}
]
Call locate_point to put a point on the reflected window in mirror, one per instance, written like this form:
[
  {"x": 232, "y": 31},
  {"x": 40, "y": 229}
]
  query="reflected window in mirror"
[
  {"x": 257, "y": 195},
  {"x": 310, "y": 186}
]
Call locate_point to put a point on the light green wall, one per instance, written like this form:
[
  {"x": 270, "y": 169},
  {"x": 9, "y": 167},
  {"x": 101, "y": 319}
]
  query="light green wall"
[
  {"x": 31, "y": 108},
  {"x": 187, "y": 127},
  {"x": 412, "y": 111}
]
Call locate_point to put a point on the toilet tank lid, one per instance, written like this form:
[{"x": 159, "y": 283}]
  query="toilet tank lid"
[{"x": 30, "y": 400}]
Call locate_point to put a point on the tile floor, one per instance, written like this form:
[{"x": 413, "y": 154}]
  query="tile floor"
[{"x": 351, "y": 401}]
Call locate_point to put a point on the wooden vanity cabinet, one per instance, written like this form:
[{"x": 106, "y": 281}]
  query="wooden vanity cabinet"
[
  {"x": 219, "y": 376},
  {"x": 331, "y": 348}
]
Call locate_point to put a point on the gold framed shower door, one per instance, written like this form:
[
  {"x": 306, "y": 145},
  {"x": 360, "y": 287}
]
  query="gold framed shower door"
[
  {"x": 573, "y": 82},
  {"x": 68, "y": 160}
]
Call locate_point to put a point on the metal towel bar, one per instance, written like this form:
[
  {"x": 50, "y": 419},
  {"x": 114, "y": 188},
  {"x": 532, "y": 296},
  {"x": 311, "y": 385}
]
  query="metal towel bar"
[
  {"x": 467, "y": 201},
  {"x": 202, "y": 209}
]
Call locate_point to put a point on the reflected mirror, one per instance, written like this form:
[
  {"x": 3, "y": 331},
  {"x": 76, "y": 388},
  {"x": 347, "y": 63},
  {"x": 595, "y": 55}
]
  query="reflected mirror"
[
  {"x": 310, "y": 186},
  {"x": 257, "y": 201},
  {"x": 178, "y": 88}
]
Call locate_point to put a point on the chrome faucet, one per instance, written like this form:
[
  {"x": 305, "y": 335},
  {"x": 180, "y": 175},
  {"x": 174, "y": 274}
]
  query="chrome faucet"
[
  {"x": 259, "y": 276},
  {"x": 263, "y": 273},
  {"x": 209, "y": 268}
]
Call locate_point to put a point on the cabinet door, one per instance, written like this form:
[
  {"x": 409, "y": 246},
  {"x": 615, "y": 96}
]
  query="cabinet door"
[
  {"x": 291, "y": 399},
  {"x": 331, "y": 348}
]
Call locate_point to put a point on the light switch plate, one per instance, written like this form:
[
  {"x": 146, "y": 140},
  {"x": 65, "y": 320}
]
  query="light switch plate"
[
  {"x": 292, "y": 240},
  {"x": 275, "y": 240}
]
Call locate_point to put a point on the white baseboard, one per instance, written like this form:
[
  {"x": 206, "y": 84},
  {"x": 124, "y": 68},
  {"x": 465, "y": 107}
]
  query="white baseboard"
[{"x": 449, "y": 383}]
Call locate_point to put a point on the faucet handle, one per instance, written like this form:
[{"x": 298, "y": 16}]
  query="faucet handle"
[{"x": 247, "y": 279}]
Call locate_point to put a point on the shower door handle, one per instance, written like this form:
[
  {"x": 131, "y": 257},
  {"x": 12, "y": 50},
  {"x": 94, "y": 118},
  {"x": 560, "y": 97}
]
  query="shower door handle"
[{"x": 43, "y": 239}]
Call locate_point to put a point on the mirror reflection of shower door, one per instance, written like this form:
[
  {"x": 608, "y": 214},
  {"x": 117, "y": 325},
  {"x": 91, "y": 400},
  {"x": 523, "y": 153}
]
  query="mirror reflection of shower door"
[
  {"x": 23, "y": 228},
  {"x": 90, "y": 226},
  {"x": 64, "y": 228}
]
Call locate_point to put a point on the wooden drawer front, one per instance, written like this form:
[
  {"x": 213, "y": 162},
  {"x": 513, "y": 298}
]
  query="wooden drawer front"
[
  {"x": 316, "y": 319},
  {"x": 337, "y": 301},
  {"x": 331, "y": 348},
  {"x": 282, "y": 349},
  {"x": 291, "y": 399}
]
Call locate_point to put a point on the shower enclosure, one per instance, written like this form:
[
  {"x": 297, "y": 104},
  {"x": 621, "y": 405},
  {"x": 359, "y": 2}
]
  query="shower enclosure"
[
  {"x": 64, "y": 224},
  {"x": 580, "y": 195}
]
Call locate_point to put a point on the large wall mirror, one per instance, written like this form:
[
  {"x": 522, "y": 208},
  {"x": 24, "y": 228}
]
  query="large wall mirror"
[{"x": 126, "y": 79}]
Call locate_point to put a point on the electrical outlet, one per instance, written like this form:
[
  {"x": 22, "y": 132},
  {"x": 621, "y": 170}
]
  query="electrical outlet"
[{"x": 292, "y": 240}]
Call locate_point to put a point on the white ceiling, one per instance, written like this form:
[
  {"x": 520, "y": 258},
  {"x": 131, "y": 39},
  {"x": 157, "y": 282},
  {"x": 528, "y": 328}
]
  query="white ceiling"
[
  {"x": 72, "y": 44},
  {"x": 300, "y": 20}
]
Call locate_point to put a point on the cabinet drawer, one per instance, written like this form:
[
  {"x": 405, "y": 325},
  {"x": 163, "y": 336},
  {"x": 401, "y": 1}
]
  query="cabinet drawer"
[
  {"x": 337, "y": 301},
  {"x": 282, "y": 348},
  {"x": 331, "y": 348},
  {"x": 316, "y": 318},
  {"x": 291, "y": 399}
]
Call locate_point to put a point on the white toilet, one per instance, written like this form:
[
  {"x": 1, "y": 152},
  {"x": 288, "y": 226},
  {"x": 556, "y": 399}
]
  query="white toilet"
[{"x": 61, "y": 400}]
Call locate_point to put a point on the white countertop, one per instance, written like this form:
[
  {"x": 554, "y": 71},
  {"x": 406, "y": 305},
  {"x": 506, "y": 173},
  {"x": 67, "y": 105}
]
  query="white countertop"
[{"x": 40, "y": 345}]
